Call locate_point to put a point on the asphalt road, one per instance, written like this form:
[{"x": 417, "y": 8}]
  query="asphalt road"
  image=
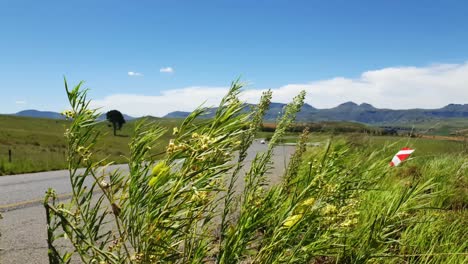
[{"x": 23, "y": 227}]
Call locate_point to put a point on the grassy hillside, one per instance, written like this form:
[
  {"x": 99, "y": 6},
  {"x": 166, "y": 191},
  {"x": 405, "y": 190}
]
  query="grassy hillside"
[
  {"x": 332, "y": 127},
  {"x": 39, "y": 144},
  {"x": 443, "y": 127}
]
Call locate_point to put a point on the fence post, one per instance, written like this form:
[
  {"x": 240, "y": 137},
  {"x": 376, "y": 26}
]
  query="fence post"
[{"x": 9, "y": 155}]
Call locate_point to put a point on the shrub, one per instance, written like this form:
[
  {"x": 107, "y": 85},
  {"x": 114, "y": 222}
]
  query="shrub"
[{"x": 167, "y": 211}]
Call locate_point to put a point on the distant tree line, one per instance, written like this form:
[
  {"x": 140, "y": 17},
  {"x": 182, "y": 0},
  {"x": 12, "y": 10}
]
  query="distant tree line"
[{"x": 329, "y": 127}]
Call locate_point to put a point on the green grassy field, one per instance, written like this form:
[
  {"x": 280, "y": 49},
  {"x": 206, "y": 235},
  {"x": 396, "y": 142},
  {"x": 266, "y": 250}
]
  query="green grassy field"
[
  {"x": 425, "y": 146},
  {"x": 39, "y": 144},
  {"x": 442, "y": 127}
]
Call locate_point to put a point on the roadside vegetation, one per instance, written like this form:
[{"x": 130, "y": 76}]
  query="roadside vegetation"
[{"x": 336, "y": 203}]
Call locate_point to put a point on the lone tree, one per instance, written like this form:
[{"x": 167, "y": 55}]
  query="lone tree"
[{"x": 116, "y": 118}]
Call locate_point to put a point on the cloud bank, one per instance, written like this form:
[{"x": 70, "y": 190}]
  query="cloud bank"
[{"x": 431, "y": 86}]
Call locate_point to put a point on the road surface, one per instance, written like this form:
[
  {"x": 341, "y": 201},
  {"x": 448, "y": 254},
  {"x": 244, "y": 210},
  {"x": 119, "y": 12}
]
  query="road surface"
[{"x": 23, "y": 227}]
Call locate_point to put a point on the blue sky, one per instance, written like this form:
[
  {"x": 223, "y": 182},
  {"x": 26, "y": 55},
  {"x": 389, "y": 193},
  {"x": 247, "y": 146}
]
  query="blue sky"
[{"x": 271, "y": 44}]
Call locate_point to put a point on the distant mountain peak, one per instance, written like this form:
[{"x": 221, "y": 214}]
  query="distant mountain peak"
[
  {"x": 456, "y": 107},
  {"x": 349, "y": 103},
  {"x": 347, "y": 106},
  {"x": 367, "y": 106}
]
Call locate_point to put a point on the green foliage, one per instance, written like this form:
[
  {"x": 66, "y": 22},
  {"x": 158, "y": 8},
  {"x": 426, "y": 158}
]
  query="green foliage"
[{"x": 338, "y": 204}]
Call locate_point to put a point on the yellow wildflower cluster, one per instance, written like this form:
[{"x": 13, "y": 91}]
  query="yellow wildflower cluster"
[
  {"x": 200, "y": 197},
  {"x": 330, "y": 188},
  {"x": 204, "y": 141},
  {"x": 84, "y": 153},
  {"x": 116, "y": 244},
  {"x": 68, "y": 114},
  {"x": 328, "y": 209},
  {"x": 138, "y": 257},
  {"x": 172, "y": 147},
  {"x": 349, "y": 222},
  {"x": 343, "y": 217}
]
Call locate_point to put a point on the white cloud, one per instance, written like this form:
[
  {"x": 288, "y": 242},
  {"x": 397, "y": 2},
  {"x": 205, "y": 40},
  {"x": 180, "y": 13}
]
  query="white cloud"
[
  {"x": 131, "y": 73},
  {"x": 166, "y": 70},
  {"x": 20, "y": 102},
  {"x": 432, "y": 86}
]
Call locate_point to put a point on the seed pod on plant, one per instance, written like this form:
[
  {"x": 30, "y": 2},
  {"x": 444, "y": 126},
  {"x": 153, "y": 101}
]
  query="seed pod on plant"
[
  {"x": 116, "y": 209},
  {"x": 104, "y": 184}
]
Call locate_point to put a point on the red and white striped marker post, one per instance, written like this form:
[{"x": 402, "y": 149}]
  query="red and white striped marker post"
[{"x": 403, "y": 154}]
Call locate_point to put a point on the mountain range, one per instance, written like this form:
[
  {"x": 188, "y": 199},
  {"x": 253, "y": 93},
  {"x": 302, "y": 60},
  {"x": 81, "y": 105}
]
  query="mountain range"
[
  {"x": 349, "y": 111},
  {"x": 363, "y": 113}
]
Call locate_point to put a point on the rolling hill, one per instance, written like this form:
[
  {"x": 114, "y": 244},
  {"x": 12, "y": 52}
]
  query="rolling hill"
[{"x": 40, "y": 114}]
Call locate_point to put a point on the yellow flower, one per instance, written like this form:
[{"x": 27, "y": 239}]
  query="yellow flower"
[
  {"x": 308, "y": 202},
  {"x": 349, "y": 222},
  {"x": 171, "y": 143},
  {"x": 68, "y": 114},
  {"x": 329, "y": 209},
  {"x": 175, "y": 130},
  {"x": 292, "y": 220},
  {"x": 182, "y": 147},
  {"x": 199, "y": 197},
  {"x": 171, "y": 146}
]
